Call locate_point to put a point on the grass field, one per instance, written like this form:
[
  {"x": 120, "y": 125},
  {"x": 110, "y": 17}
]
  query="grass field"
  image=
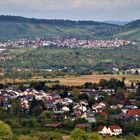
[
  {"x": 95, "y": 79},
  {"x": 72, "y": 80}
]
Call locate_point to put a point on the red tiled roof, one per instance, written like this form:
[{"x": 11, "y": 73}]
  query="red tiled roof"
[
  {"x": 133, "y": 112},
  {"x": 100, "y": 128},
  {"x": 112, "y": 127},
  {"x": 103, "y": 113},
  {"x": 81, "y": 126},
  {"x": 53, "y": 125}
]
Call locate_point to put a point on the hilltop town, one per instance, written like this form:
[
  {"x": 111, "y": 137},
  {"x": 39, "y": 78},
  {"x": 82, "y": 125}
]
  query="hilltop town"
[{"x": 66, "y": 43}]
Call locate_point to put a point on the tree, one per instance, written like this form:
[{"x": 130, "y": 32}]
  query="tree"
[
  {"x": 53, "y": 136},
  {"x": 1, "y": 86},
  {"x": 35, "y": 105},
  {"x": 15, "y": 106},
  {"x": 46, "y": 114},
  {"x": 3, "y": 114},
  {"x": 94, "y": 136},
  {"x": 75, "y": 91},
  {"x": 91, "y": 101},
  {"x": 103, "y": 83},
  {"x": 59, "y": 106},
  {"x": 78, "y": 134},
  {"x": 112, "y": 83},
  {"x": 132, "y": 85},
  {"x": 131, "y": 137},
  {"x": 64, "y": 94},
  {"x": 36, "y": 111},
  {"x": 21, "y": 86},
  {"x": 114, "y": 138},
  {"x": 5, "y": 132},
  {"x": 137, "y": 72},
  {"x": 69, "y": 124},
  {"x": 43, "y": 136},
  {"x": 121, "y": 84},
  {"x": 80, "y": 120},
  {"x": 88, "y": 85},
  {"x": 112, "y": 101},
  {"x": 83, "y": 96},
  {"x": 137, "y": 104},
  {"x": 120, "y": 93},
  {"x": 123, "y": 79},
  {"x": 91, "y": 85},
  {"x": 38, "y": 85},
  {"x": 138, "y": 92}
]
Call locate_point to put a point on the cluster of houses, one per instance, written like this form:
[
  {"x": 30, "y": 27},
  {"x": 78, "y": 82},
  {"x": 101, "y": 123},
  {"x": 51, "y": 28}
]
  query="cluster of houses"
[
  {"x": 133, "y": 71},
  {"x": 71, "y": 43},
  {"x": 79, "y": 109}
]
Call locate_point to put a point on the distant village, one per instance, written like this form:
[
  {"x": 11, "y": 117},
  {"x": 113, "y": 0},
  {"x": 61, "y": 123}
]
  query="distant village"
[{"x": 66, "y": 43}]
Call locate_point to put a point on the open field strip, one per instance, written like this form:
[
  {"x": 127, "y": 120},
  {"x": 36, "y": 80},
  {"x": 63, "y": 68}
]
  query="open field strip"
[
  {"x": 95, "y": 79},
  {"x": 80, "y": 80}
]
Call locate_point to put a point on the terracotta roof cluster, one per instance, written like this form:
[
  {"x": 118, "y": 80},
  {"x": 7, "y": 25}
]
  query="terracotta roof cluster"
[
  {"x": 134, "y": 112},
  {"x": 113, "y": 127}
]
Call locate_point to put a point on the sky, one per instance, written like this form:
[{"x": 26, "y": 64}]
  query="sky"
[{"x": 97, "y": 10}]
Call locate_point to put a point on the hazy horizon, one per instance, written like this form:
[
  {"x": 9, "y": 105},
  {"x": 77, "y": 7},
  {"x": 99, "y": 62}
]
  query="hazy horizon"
[{"x": 97, "y": 10}]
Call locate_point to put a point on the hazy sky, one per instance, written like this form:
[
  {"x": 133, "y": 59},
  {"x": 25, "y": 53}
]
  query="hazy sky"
[{"x": 99, "y": 10}]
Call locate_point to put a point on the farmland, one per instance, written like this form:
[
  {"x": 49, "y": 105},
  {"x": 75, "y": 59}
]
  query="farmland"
[
  {"x": 94, "y": 79},
  {"x": 77, "y": 60},
  {"x": 76, "y": 80}
]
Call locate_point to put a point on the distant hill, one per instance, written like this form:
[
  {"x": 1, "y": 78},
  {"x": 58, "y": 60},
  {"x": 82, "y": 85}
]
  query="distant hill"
[
  {"x": 13, "y": 27},
  {"x": 117, "y": 22},
  {"x": 130, "y": 31},
  {"x": 134, "y": 24}
]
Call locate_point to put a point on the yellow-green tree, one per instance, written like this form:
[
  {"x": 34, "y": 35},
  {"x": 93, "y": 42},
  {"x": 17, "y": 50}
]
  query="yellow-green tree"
[
  {"x": 5, "y": 132},
  {"x": 78, "y": 134},
  {"x": 94, "y": 136}
]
